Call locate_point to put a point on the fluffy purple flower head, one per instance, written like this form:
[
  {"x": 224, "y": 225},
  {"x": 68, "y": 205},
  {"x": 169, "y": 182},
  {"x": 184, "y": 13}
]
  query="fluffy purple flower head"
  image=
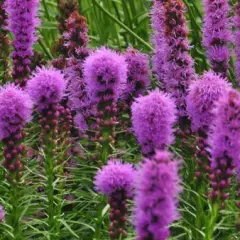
[
  {"x": 224, "y": 140},
  {"x": 216, "y": 34},
  {"x": 202, "y": 97},
  {"x": 22, "y": 23},
  {"x": 46, "y": 87},
  {"x": 15, "y": 110},
  {"x": 138, "y": 72},
  {"x": 104, "y": 73},
  {"x": 157, "y": 187},
  {"x": 236, "y": 40},
  {"x": 158, "y": 38},
  {"x": 153, "y": 117},
  {"x": 2, "y": 214},
  {"x": 115, "y": 176}
]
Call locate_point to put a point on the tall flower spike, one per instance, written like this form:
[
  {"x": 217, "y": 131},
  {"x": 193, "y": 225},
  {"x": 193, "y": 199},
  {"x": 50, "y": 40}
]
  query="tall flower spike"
[
  {"x": 138, "y": 73},
  {"x": 158, "y": 39},
  {"x": 115, "y": 180},
  {"x": 179, "y": 64},
  {"x": 224, "y": 143},
  {"x": 153, "y": 117},
  {"x": 216, "y": 34},
  {"x": 22, "y": 23},
  {"x": 4, "y": 42},
  {"x": 15, "y": 112},
  {"x": 236, "y": 40},
  {"x": 201, "y": 100},
  {"x": 157, "y": 188},
  {"x": 2, "y": 214}
]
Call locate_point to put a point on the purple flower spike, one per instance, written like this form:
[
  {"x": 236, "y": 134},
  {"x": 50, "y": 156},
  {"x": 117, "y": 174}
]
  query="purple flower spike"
[
  {"x": 80, "y": 122},
  {"x": 153, "y": 117},
  {"x": 115, "y": 180},
  {"x": 22, "y": 23},
  {"x": 138, "y": 73},
  {"x": 202, "y": 97},
  {"x": 15, "y": 110},
  {"x": 236, "y": 40},
  {"x": 224, "y": 142},
  {"x": 46, "y": 87},
  {"x": 115, "y": 176},
  {"x": 2, "y": 214},
  {"x": 179, "y": 65},
  {"x": 158, "y": 39},
  {"x": 157, "y": 188},
  {"x": 216, "y": 34},
  {"x": 104, "y": 72}
]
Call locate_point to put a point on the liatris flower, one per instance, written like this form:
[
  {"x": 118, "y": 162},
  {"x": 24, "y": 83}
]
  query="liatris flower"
[
  {"x": 22, "y": 23},
  {"x": 153, "y": 117},
  {"x": 157, "y": 188},
  {"x": 202, "y": 97},
  {"x": 224, "y": 143},
  {"x": 179, "y": 64},
  {"x": 115, "y": 180},
  {"x": 46, "y": 87},
  {"x": 76, "y": 36},
  {"x": 138, "y": 73},
  {"x": 80, "y": 122},
  {"x": 15, "y": 112},
  {"x": 4, "y": 42},
  {"x": 104, "y": 72},
  {"x": 158, "y": 39},
  {"x": 65, "y": 7},
  {"x": 236, "y": 40},
  {"x": 2, "y": 214},
  {"x": 216, "y": 34},
  {"x": 201, "y": 100}
]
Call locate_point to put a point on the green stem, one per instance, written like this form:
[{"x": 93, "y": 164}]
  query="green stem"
[
  {"x": 122, "y": 25},
  {"x": 212, "y": 222}
]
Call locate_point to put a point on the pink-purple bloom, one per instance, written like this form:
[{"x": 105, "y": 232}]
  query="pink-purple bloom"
[
  {"x": 80, "y": 122},
  {"x": 137, "y": 74},
  {"x": 225, "y": 132},
  {"x": 216, "y": 34},
  {"x": 2, "y": 214},
  {"x": 236, "y": 40},
  {"x": 179, "y": 63},
  {"x": 46, "y": 87},
  {"x": 15, "y": 110},
  {"x": 115, "y": 176},
  {"x": 22, "y": 23},
  {"x": 104, "y": 72},
  {"x": 202, "y": 97},
  {"x": 157, "y": 187},
  {"x": 158, "y": 39},
  {"x": 153, "y": 117}
]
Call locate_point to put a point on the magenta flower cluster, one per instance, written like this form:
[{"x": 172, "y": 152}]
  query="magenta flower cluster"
[
  {"x": 15, "y": 110},
  {"x": 137, "y": 73},
  {"x": 105, "y": 71},
  {"x": 46, "y": 87},
  {"x": 2, "y": 214},
  {"x": 225, "y": 132},
  {"x": 179, "y": 71},
  {"x": 158, "y": 39},
  {"x": 153, "y": 117},
  {"x": 157, "y": 188},
  {"x": 202, "y": 97},
  {"x": 22, "y": 23},
  {"x": 236, "y": 40},
  {"x": 216, "y": 34},
  {"x": 115, "y": 176}
]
